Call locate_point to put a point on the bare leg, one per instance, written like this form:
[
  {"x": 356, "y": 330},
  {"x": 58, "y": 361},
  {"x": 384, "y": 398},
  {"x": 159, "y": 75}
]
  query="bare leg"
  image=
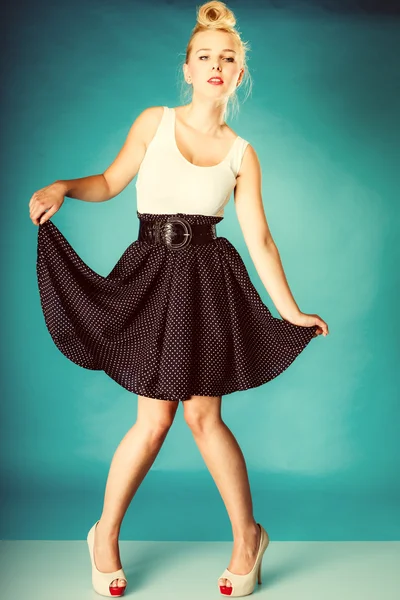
[
  {"x": 131, "y": 462},
  {"x": 226, "y": 463}
]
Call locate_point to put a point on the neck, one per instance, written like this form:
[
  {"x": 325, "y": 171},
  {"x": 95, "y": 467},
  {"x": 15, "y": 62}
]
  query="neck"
[{"x": 207, "y": 118}]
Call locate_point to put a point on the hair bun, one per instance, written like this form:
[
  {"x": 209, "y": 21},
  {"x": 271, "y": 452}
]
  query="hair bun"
[{"x": 216, "y": 14}]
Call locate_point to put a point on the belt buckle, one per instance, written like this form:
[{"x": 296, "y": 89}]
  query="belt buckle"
[{"x": 167, "y": 232}]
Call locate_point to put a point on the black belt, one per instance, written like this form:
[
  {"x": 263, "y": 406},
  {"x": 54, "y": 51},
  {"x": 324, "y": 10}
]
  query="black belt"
[{"x": 176, "y": 232}]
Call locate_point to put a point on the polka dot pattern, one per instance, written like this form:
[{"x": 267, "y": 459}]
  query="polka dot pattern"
[{"x": 164, "y": 323}]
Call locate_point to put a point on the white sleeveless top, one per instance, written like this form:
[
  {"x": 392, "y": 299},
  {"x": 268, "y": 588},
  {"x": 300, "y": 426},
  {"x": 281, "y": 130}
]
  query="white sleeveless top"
[{"x": 168, "y": 183}]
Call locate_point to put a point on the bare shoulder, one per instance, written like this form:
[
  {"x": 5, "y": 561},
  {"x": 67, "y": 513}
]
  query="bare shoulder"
[
  {"x": 250, "y": 165},
  {"x": 148, "y": 122}
]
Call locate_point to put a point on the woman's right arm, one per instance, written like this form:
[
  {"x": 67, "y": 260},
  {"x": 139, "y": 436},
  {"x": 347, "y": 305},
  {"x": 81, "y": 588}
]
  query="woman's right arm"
[{"x": 99, "y": 188}]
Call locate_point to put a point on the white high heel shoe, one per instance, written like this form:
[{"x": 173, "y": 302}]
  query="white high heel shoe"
[
  {"x": 243, "y": 585},
  {"x": 102, "y": 581}
]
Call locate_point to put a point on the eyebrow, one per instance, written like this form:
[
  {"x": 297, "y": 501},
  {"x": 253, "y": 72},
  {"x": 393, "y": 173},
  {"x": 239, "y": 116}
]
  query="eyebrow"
[{"x": 224, "y": 50}]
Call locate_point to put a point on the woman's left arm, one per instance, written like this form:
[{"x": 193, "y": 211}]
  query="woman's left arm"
[{"x": 262, "y": 248}]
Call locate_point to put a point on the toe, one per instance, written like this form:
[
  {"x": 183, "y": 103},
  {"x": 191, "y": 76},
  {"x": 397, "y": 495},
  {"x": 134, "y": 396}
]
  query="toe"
[
  {"x": 226, "y": 587},
  {"x": 118, "y": 583}
]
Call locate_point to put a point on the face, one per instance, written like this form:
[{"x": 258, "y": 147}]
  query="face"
[{"x": 214, "y": 54}]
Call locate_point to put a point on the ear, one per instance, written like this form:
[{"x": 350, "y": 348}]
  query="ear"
[{"x": 186, "y": 73}]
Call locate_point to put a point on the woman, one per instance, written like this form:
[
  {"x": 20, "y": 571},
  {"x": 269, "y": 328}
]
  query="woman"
[{"x": 177, "y": 319}]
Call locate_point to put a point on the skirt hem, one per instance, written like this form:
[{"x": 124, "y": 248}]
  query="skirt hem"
[{"x": 179, "y": 397}]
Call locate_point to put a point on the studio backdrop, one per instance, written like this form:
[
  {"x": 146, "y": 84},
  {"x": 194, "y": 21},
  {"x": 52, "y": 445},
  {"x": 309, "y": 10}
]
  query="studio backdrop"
[{"x": 321, "y": 439}]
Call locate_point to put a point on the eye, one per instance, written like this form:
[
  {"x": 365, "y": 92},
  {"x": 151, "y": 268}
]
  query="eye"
[{"x": 228, "y": 58}]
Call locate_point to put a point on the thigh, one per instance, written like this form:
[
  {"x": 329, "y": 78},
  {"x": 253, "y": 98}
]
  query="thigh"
[{"x": 156, "y": 412}]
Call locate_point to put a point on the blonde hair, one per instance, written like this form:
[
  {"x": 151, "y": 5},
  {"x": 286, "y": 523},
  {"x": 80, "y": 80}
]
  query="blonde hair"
[{"x": 217, "y": 16}]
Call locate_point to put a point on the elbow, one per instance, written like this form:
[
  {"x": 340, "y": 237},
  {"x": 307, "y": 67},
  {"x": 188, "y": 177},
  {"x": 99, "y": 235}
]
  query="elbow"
[
  {"x": 108, "y": 191},
  {"x": 262, "y": 244},
  {"x": 261, "y": 249}
]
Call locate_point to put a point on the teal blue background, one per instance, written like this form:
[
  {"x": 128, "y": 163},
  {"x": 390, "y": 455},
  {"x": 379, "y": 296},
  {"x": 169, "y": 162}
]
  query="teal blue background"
[{"x": 321, "y": 441}]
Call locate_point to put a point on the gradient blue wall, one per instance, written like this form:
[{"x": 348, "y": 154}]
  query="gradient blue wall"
[{"x": 321, "y": 441}]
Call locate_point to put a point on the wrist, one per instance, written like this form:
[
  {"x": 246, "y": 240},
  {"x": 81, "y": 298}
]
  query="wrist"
[
  {"x": 292, "y": 316},
  {"x": 63, "y": 185}
]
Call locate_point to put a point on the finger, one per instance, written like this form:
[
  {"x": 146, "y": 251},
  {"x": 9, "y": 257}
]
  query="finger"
[
  {"x": 36, "y": 212},
  {"x": 34, "y": 200},
  {"x": 47, "y": 216},
  {"x": 35, "y": 216}
]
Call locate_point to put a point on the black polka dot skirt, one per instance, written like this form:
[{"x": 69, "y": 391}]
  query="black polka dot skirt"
[{"x": 165, "y": 323}]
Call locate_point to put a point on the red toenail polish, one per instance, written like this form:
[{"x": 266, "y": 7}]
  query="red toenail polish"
[
  {"x": 227, "y": 591},
  {"x": 117, "y": 591}
]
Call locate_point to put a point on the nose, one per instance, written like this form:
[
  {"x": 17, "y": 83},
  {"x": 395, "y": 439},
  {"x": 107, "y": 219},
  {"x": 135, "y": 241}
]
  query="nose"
[{"x": 217, "y": 66}]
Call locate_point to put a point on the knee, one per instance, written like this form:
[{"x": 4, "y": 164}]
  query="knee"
[
  {"x": 156, "y": 418},
  {"x": 157, "y": 429},
  {"x": 200, "y": 421},
  {"x": 202, "y": 413}
]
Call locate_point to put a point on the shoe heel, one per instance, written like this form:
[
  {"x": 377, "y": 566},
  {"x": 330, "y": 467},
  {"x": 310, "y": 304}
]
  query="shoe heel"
[
  {"x": 244, "y": 585},
  {"x": 260, "y": 565}
]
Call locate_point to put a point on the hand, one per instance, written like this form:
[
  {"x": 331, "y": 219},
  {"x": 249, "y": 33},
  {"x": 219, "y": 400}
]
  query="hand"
[
  {"x": 310, "y": 320},
  {"x": 45, "y": 202}
]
